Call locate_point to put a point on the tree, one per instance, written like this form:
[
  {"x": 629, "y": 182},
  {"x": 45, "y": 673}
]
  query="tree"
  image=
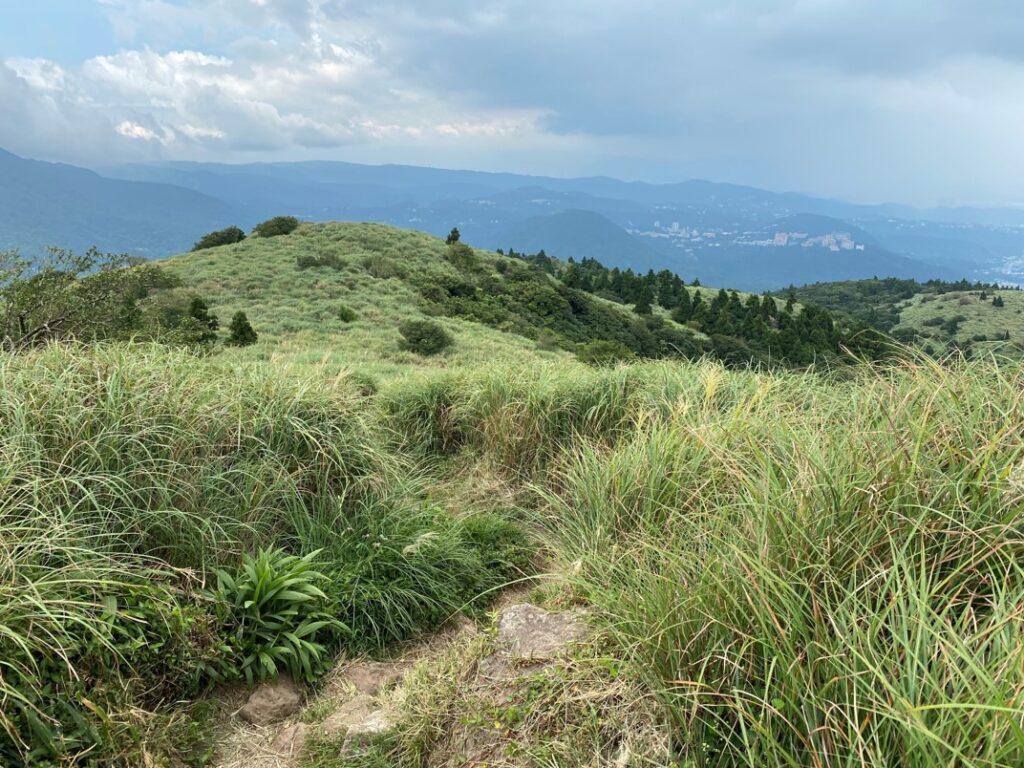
[
  {"x": 220, "y": 237},
  {"x": 200, "y": 327},
  {"x": 453, "y": 236},
  {"x": 87, "y": 297},
  {"x": 643, "y": 302},
  {"x": 997, "y": 301},
  {"x": 279, "y": 225},
  {"x": 242, "y": 334},
  {"x": 684, "y": 307},
  {"x": 424, "y": 337}
]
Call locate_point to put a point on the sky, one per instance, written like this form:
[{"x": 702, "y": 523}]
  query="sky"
[{"x": 916, "y": 101}]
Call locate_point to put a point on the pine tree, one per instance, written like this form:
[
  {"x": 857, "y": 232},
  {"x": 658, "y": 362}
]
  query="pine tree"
[
  {"x": 242, "y": 334},
  {"x": 684, "y": 307},
  {"x": 643, "y": 302},
  {"x": 453, "y": 237}
]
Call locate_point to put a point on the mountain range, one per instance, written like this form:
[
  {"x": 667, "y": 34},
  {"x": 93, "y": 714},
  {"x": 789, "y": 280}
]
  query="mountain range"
[{"x": 723, "y": 234}]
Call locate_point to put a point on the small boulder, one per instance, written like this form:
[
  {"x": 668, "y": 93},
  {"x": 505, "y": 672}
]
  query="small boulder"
[
  {"x": 290, "y": 740},
  {"x": 272, "y": 702},
  {"x": 371, "y": 677},
  {"x": 358, "y": 720},
  {"x": 527, "y": 632}
]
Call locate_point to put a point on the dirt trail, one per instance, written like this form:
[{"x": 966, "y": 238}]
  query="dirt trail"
[{"x": 357, "y": 701}]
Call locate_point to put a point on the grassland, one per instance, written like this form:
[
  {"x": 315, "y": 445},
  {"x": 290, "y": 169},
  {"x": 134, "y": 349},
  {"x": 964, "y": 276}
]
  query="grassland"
[
  {"x": 784, "y": 568},
  {"x": 375, "y": 274},
  {"x": 981, "y": 325}
]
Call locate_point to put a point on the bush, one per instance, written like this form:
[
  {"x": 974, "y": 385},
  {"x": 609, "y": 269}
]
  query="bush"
[
  {"x": 242, "y": 334},
  {"x": 383, "y": 267},
  {"x": 279, "y": 225},
  {"x": 220, "y": 237},
  {"x": 346, "y": 314},
  {"x": 424, "y": 337},
  {"x": 604, "y": 353},
  {"x": 462, "y": 256},
  {"x": 310, "y": 261}
]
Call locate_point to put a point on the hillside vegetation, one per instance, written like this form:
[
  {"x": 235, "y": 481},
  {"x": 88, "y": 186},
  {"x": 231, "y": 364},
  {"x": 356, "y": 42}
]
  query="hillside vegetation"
[
  {"x": 781, "y": 567},
  {"x": 800, "y": 569},
  {"x": 335, "y": 295},
  {"x": 938, "y": 316}
]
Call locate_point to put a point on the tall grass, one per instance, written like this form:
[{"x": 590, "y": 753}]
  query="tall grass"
[
  {"x": 818, "y": 574},
  {"x": 128, "y": 472},
  {"x": 814, "y": 571}
]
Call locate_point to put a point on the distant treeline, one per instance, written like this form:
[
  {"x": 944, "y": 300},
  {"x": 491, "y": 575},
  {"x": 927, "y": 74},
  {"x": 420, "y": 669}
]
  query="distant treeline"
[
  {"x": 737, "y": 330},
  {"x": 876, "y": 302}
]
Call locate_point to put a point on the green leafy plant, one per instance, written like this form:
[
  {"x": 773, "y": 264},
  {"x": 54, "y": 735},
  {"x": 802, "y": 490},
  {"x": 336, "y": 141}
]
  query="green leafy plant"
[{"x": 275, "y": 617}]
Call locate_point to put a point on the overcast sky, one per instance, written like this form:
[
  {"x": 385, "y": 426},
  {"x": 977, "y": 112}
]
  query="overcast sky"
[{"x": 918, "y": 101}]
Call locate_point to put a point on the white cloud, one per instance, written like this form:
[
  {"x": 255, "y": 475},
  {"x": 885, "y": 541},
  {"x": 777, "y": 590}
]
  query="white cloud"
[
  {"x": 131, "y": 130},
  {"x": 864, "y": 98}
]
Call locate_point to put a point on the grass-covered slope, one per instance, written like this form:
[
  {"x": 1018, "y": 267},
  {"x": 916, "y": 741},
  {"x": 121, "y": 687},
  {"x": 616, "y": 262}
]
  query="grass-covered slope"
[
  {"x": 130, "y": 473},
  {"x": 375, "y": 270},
  {"x": 338, "y": 294},
  {"x": 807, "y": 571},
  {"x": 937, "y": 316}
]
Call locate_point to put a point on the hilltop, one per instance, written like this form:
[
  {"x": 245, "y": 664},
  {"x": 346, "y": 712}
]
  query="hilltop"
[
  {"x": 335, "y": 294},
  {"x": 371, "y": 269}
]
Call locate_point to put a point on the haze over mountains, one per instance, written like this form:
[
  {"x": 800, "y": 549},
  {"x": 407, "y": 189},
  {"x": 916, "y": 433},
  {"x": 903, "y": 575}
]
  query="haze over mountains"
[{"x": 723, "y": 234}]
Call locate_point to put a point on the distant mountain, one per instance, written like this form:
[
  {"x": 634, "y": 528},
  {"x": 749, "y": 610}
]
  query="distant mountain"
[
  {"x": 44, "y": 204},
  {"x": 690, "y": 223},
  {"x": 582, "y": 234},
  {"x": 722, "y": 233}
]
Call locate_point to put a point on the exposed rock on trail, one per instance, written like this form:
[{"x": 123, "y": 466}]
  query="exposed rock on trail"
[{"x": 272, "y": 702}]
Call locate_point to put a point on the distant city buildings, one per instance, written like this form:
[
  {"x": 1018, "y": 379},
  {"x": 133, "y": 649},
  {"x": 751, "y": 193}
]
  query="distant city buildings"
[{"x": 685, "y": 237}]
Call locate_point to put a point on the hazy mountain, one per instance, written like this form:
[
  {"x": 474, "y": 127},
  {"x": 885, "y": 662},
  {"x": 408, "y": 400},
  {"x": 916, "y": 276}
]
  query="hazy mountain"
[
  {"x": 722, "y": 233},
  {"x": 581, "y": 234},
  {"x": 45, "y": 204}
]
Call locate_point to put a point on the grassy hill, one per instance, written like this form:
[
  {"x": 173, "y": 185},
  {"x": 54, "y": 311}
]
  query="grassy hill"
[
  {"x": 301, "y": 290},
  {"x": 938, "y": 316},
  {"x": 374, "y": 270}
]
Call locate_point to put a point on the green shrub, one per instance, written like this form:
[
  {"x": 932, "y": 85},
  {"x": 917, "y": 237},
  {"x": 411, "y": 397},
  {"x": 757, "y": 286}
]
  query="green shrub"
[
  {"x": 279, "y": 225},
  {"x": 241, "y": 332},
  {"x": 397, "y": 568},
  {"x": 346, "y": 314},
  {"x": 424, "y": 337},
  {"x": 462, "y": 257},
  {"x": 227, "y": 236},
  {"x": 324, "y": 259},
  {"x": 383, "y": 267},
  {"x": 275, "y": 617},
  {"x": 604, "y": 353}
]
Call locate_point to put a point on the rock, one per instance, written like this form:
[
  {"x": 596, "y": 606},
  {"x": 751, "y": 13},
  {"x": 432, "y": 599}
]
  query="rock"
[
  {"x": 359, "y": 720},
  {"x": 376, "y": 724},
  {"x": 371, "y": 677},
  {"x": 272, "y": 702},
  {"x": 526, "y": 631},
  {"x": 290, "y": 740}
]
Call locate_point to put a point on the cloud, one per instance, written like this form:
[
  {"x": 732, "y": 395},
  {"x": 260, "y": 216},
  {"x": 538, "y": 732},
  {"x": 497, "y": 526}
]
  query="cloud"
[{"x": 863, "y": 98}]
